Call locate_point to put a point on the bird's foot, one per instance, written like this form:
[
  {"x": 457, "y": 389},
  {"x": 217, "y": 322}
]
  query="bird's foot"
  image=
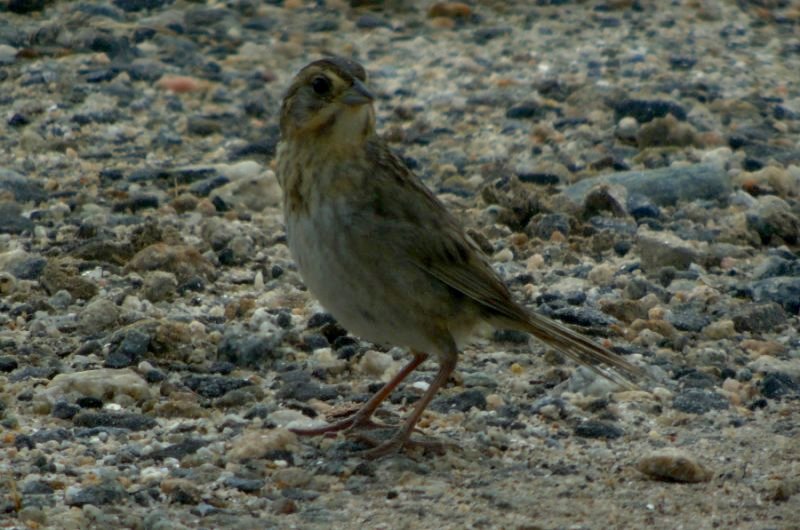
[{"x": 398, "y": 442}]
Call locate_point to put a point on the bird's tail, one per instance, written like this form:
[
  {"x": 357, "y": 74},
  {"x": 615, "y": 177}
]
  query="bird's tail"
[{"x": 582, "y": 350}]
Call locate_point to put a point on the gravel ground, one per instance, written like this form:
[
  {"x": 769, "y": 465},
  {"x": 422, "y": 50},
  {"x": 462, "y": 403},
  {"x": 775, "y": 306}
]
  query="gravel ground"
[{"x": 632, "y": 168}]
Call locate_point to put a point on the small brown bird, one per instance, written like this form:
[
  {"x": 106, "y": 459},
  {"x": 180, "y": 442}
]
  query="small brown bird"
[{"x": 381, "y": 252}]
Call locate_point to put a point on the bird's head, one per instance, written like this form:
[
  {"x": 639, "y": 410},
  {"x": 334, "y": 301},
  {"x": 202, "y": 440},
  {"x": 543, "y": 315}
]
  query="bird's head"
[{"x": 329, "y": 101}]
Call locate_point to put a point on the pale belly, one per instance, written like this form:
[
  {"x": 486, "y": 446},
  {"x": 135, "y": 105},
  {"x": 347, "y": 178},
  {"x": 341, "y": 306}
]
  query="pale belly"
[{"x": 361, "y": 281}]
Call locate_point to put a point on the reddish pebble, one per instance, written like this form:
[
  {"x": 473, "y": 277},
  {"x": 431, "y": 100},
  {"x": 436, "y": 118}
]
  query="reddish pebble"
[
  {"x": 179, "y": 84},
  {"x": 450, "y": 10}
]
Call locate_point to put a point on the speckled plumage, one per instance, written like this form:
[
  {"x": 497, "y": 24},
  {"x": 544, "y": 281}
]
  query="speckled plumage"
[{"x": 378, "y": 249}]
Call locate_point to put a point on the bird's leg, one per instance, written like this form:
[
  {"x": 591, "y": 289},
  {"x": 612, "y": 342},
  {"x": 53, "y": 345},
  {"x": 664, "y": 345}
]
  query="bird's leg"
[
  {"x": 362, "y": 417},
  {"x": 402, "y": 437}
]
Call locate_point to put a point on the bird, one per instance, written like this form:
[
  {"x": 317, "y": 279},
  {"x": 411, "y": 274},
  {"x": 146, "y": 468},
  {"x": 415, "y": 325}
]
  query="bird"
[{"x": 383, "y": 254}]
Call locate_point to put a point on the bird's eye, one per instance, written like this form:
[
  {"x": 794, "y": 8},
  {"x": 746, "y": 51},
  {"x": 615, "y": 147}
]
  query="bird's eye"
[{"x": 321, "y": 85}]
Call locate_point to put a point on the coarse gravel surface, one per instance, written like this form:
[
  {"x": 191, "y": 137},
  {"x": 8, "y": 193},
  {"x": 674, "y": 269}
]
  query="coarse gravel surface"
[{"x": 631, "y": 167}]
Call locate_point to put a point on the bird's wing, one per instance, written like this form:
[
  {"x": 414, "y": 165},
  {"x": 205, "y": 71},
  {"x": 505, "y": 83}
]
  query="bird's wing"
[{"x": 434, "y": 241}]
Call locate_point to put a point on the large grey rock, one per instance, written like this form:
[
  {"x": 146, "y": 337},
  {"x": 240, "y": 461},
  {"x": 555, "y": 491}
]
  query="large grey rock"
[{"x": 664, "y": 186}]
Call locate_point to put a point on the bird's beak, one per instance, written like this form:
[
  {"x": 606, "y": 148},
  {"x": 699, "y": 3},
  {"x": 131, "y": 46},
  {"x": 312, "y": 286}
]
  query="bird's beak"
[{"x": 358, "y": 94}]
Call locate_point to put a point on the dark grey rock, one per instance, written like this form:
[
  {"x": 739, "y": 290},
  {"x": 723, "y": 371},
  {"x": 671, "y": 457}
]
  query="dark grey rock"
[
  {"x": 204, "y": 125},
  {"x": 246, "y": 349},
  {"x": 244, "y": 484},
  {"x": 64, "y": 411},
  {"x": 542, "y": 179},
  {"x": 135, "y": 203},
  {"x": 777, "y": 385},
  {"x": 687, "y": 318},
  {"x": 25, "y": 6},
  {"x": 640, "y": 206},
  {"x": 33, "y": 372},
  {"x": 198, "y": 19},
  {"x": 697, "y": 401},
  {"x": 119, "y": 420},
  {"x": 776, "y": 266},
  {"x": 644, "y": 110},
  {"x": 179, "y": 450},
  {"x": 23, "y": 189},
  {"x": 37, "y": 487},
  {"x": 322, "y": 25},
  {"x": 154, "y": 376},
  {"x": 95, "y": 10},
  {"x": 697, "y": 379},
  {"x": 89, "y": 402},
  {"x": 134, "y": 344},
  {"x": 682, "y": 62},
  {"x": 460, "y": 402},
  {"x": 108, "y": 492},
  {"x": 11, "y": 219},
  {"x": 297, "y": 494},
  {"x": 98, "y": 76},
  {"x": 543, "y": 225},
  {"x": 18, "y": 120},
  {"x": 781, "y": 290},
  {"x": 582, "y": 316},
  {"x": 525, "y": 110},
  {"x": 306, "y": 390},
  {"x": 258, "y": 23},
  {"x": 369, "y": 21},
  {"x": 145, "y": 70},
  {"x": 615, "y": 225},
  {"x": 8, "y": 363},
  {"x": 140, "y": 5},
  {"x": 320, "y": 319},
  {"x": 203, "y": 187},
  {"x": 598, "y": 429},
  {"x": 759, "y": 318},
  {"x": 484, "y": 35},
  {"x": 213, "y": 386},
  {"x": 23, "y": 441}
]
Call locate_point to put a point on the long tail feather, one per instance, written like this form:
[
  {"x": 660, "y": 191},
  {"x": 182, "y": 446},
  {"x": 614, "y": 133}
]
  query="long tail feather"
[{"x": 582, "y": 350}]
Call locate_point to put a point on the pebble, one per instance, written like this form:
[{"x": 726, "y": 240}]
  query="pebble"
[
  {"x": 664, "y": 186},
  {"x": 248, "y": 349},
  {"x": 251, "y": 188},
  {"x": 376, "y": 364},
  {"x": 673, "y": 465},
  {"x": 183, "y": 261},
  {"x": 782, "y": 290},
  {"x": 759, "y": 318},
  {"x": 252, "y": 445},
  {"x": 98, "y": 315},
  {"x": 106, "y": 493},
  {"x": 598, "y": 429},
  {"x": 213, "y": 386},
  {"x": 643, "y": 110},
  {"x": 721, "y": 329},
  {"x": 663, "y": 249},
  {"x": 696, "y": 401},
  {"x": 543, "y": 225},
  {"x": 664, "y": 132},
  {"x": 778, "y": 385},
  {"x": 118, "y": 420},
  {"x": 60, "y": 275},
  {"x": 159, "y": 286},
  {"x": 104, "y": 384},
  {"x": 462, "y": 402}
]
